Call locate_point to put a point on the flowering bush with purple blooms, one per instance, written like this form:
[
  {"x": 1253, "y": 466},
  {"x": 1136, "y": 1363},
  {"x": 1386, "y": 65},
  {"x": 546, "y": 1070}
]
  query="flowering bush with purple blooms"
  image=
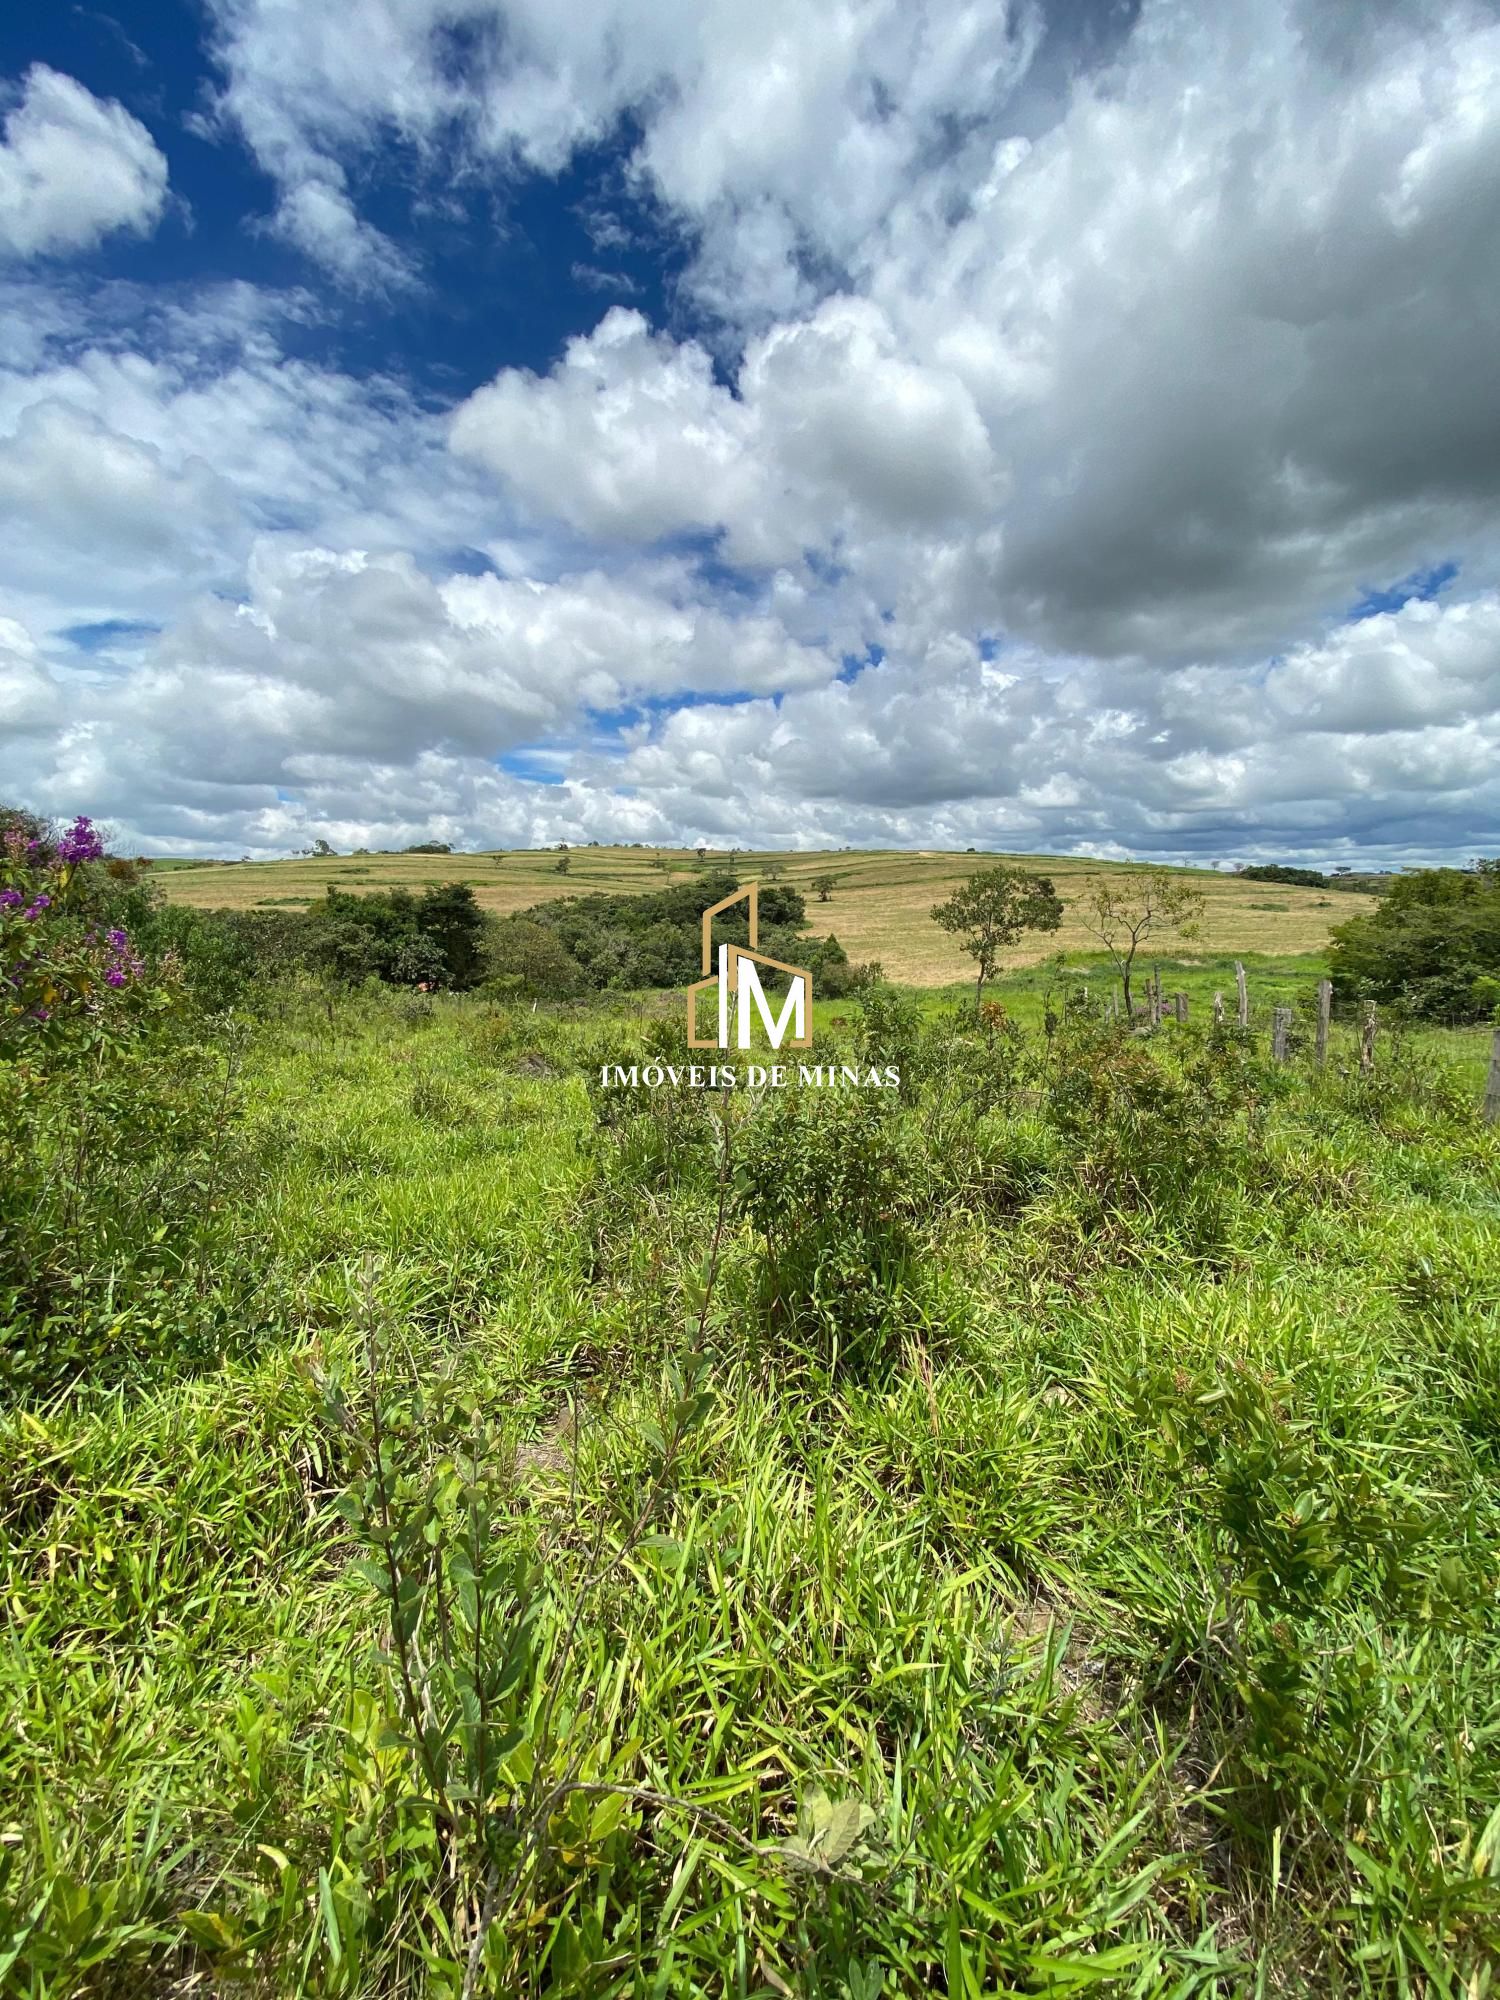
[
  {"x": 81, "y": 842},
  {"x": 63, "y": 980}
]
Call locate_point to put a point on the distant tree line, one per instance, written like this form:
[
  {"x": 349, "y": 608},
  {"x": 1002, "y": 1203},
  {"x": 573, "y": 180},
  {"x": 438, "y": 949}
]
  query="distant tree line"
[{"x": 1313, "y": 878}]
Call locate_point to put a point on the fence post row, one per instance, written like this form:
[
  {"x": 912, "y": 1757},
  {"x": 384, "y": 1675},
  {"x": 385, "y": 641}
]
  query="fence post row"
[{"x": 1281, "y": 1028}]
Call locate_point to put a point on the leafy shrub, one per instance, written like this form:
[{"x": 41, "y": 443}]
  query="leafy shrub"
[
  {"x": 889, "y": 1030},
  {"x": 1433, "y": 945},
  {"x": 658, "y": 1137},
  {"x": 1150, "y": 1132},
  {"x": 1409, "y": 1091},
  {"x": 116, "y": 1153},
  {"x": 523, "y": 956},
  {"x": 70, "y": 972},
  {"x": 626, "y": 942},
  {"x": 1304, "y": 1533},
  {"x": 821, "y": 1179}
]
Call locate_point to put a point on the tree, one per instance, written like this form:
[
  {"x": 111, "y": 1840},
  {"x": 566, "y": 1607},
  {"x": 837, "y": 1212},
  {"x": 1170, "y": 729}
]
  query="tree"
[
  {"x": 419, "y": 961},
  {"x": 825, "y": 886},
  {"x": 529, "y": 957},
  {"x": 1433, "y": 945},
  {"x": 1125, "y": 910},
  {"x": 562, "y": 864},
  {"x": 451, "y": 917},
  {"x": 993, "y": 910}
]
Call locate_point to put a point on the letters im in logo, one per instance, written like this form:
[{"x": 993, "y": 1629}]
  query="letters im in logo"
[{"x": 739, "y": 992}]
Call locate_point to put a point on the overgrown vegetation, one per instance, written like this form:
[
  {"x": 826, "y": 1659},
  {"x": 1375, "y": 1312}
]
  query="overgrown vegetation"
[
  {"x": 470, "y": 1530},
  {"x": 628, "y": 943},
  {"x": 1433, "y": 945}
]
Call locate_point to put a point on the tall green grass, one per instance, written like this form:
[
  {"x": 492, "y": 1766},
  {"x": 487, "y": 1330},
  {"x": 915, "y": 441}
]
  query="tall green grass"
[{"x": 1035, "y": 1536}]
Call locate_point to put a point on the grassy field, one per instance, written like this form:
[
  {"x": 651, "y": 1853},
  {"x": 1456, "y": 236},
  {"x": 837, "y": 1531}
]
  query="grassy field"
[
  {"x": 879, "y": 908},
  {"x": 1029, "y": 1533}
]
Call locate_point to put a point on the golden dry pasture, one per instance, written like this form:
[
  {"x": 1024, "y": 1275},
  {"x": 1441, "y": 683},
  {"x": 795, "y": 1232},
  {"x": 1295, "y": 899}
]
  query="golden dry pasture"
[{"x": 880, "y": 906}]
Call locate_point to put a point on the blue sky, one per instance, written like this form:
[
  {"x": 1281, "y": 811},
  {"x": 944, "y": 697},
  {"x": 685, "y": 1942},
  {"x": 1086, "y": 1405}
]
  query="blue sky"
[
  {"x": 909, "y": 422},
  {"x": 520, "y": 265}
]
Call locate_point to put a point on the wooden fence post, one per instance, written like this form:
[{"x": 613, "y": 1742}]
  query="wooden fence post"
[
  {"x": 1218, "y": 1010},
  {"x": 1281, "y": 1027},
  {"x": 1492, "y": 1088},
  {"x": 1325, "y": 1008},
  {"x": 1367, "y": 1041},
  {"x": 1244, "y": 993},
  {"x": 1179, "y": 1006}
]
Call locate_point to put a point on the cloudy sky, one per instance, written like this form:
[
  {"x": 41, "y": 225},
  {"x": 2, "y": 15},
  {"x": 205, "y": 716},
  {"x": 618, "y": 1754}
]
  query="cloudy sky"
[{"x": 1065, "y": 427}]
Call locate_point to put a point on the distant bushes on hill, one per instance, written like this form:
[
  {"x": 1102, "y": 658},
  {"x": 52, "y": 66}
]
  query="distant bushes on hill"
[
  {"x": 598, "y": 943},
  {"x": 1433, "y": 946},
  {"x": 1313, "y": 878},
  {"x": 1278, "y": 871},
  {"x": 435, "y": 939}
]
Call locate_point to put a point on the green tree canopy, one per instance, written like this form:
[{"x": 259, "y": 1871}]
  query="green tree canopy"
[
  {"x": 993, "y": 910},
  {"x": 1433, "y": 945}
]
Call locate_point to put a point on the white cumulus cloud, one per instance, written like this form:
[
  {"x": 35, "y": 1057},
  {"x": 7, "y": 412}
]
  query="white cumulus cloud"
[{"x": 74, "y": 168}]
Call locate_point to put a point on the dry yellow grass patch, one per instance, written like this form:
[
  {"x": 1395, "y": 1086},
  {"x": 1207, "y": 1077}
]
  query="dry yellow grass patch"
[{"x": 879, "y": 908}]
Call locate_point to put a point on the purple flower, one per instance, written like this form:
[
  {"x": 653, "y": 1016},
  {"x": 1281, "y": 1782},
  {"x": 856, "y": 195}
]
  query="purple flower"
[
  {"x": 41, "y": 903},
  {"x": 80, "y": 843},
  {"x": 115, "y": 976},
  {"x": 9, "y": 898},
  {"x": 119, "y": 939}
]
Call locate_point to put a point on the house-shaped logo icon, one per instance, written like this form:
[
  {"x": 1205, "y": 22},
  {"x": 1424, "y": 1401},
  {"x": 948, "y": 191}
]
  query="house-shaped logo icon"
[{"x": 739, "y": 989}]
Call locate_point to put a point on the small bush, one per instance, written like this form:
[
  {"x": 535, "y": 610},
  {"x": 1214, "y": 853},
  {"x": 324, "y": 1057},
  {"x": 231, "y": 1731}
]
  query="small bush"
[
  {"x": 821, "y": 1181},
  {"x": 1149, "y": 1132}
]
